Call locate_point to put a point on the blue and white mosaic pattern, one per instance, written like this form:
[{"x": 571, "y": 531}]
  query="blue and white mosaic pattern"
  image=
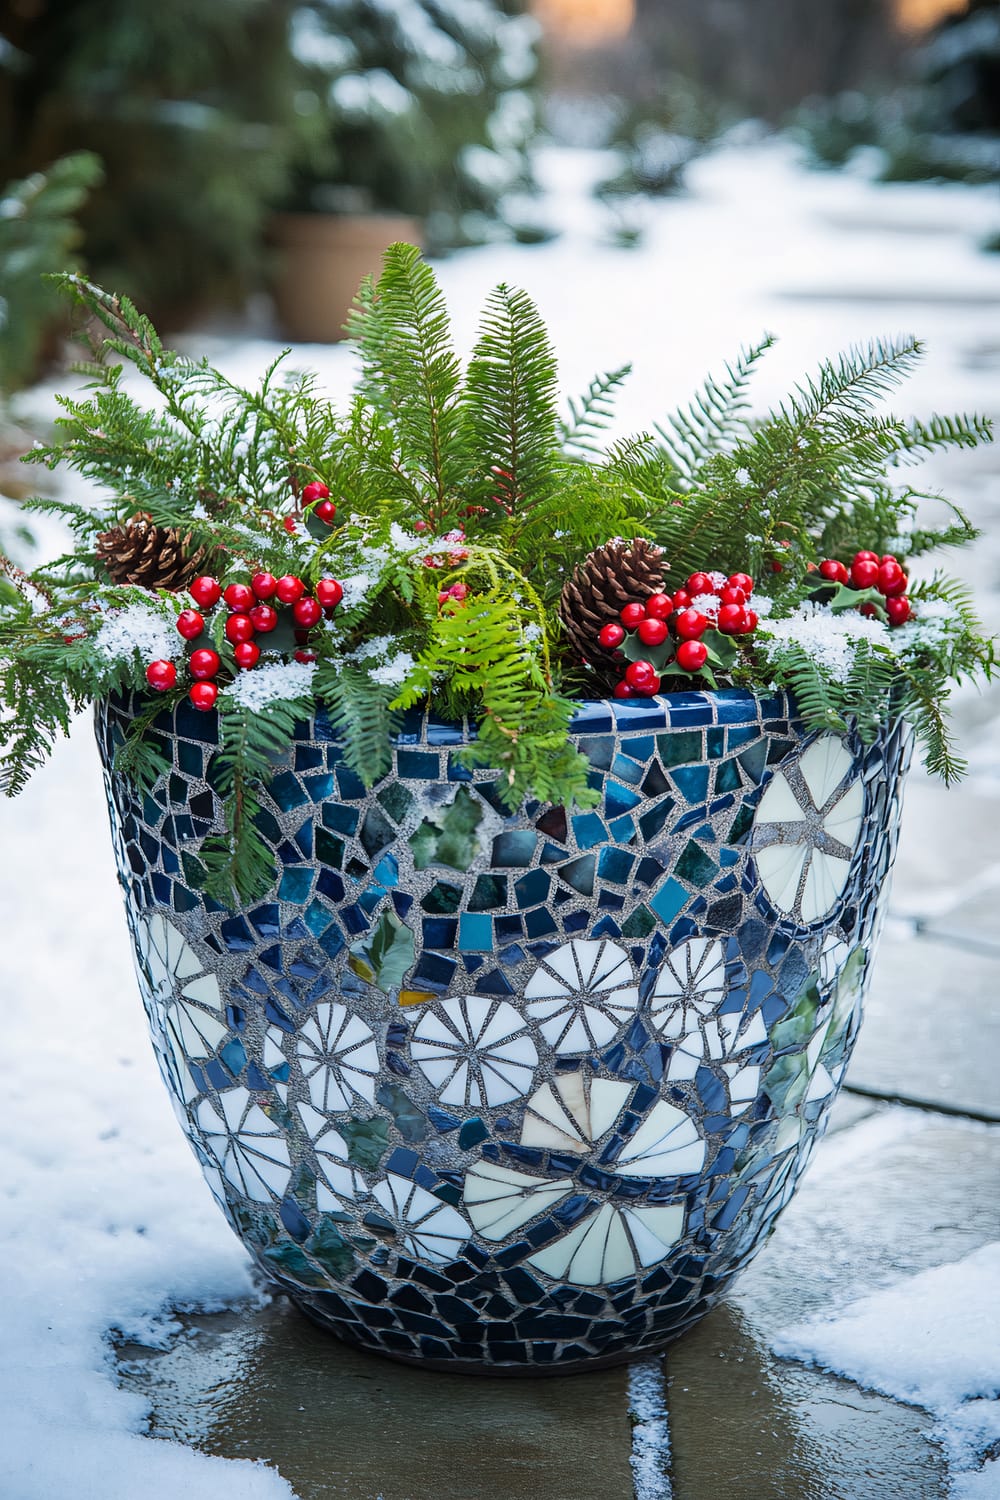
[{"x": 521, "y": 1092}]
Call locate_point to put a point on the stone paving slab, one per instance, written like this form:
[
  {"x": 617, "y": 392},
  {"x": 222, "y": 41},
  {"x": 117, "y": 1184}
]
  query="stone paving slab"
[
  {"x": 932, "y": 1026},
  {"x": 947, "y": 850},
  {"x": 890, "y": 1196},
  {"x": 334, "y": 1421}
]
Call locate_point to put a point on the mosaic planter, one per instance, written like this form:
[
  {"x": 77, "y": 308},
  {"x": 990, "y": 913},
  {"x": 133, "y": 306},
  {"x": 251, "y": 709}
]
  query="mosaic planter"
[{"x": 522, "y": 1093}]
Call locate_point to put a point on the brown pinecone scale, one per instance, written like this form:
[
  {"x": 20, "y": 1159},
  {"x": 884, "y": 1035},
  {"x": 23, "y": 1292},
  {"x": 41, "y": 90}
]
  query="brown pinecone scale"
[
  {"x": 612, "y": 576},
  {"x": 157, "y": 557}
]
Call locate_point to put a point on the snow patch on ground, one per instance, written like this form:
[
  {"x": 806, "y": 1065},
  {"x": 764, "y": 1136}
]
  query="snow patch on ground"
[{"x": 932, "y": 1340}]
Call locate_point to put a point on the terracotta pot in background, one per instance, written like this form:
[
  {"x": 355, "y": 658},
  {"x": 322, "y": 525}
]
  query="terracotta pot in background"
[{"x": 322, "y": 260}]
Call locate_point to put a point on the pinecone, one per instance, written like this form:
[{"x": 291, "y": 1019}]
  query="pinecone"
[
  {"x": 157, "y": 557},
  {"x": 612, "y": 576}
]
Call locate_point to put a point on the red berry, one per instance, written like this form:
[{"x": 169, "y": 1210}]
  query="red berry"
[
  {"x": 833, "y": 571},
  {"x": 868, "y": 610},
  {"x": 690, "y": 624},
  {"x": 204, "y": 663},
  {"x": 741, "y": 581},
  {"x": 161, "y": 675},
  {"x": 891, "y": 579},
  {"x": 681, "y": 599},
  {"x": 659, "y": 606},
  {"x": 329, "y": 593},
  {"x": 866, "y": 557},
  {"x": 611, "y": 636},
  {"x": 888, "y": 557},
  {"x": 239, "y": 628},
  {"x": 289, "y": 588},
  {"x": 732, "y": 595},
  {"x": 632, "y": 614},
  {"x": 622, "y": 690},
  {"x": 864, "y": 573},
  {"x": 263, "y": 618},
  {"x": 240, "y": 596},
  {"x": 652, "y": 632},
  {"x": 775, "y": 566},
  {"x": 206, "y": 591},
  {"x": 752, "y": 621},
  {"x": 732, "y": 619},
  {"x": 314, "y": 490},
  {"x": 307, "y": 612},
  {"x": 290, "y": 524},
  {"x": 325, "y": 511},
  {"x": 692, "y": 655},
  {"x": 305, "y": 656},
  {"x": 247, "y": 654},
  {"x": 639, "y": 675},
  {"x": 301, "y": 637},
  {"x": 190, "y": 624},
  {"x": 898, "y": 609},
  {"x": 203, "y": 695},
  {"x": 699, "y": 583},
  {"x": 264, "y": 585}
]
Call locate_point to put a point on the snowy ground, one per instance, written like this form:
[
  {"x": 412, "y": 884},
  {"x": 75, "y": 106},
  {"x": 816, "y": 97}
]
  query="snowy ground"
[{"x": 106, "y": 1222}]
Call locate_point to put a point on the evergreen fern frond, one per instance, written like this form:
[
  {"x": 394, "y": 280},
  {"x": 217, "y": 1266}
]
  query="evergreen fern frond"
[
  {"x": 591, "y": 413},
  {"x": 509, "y": 406},
  {"x": 715, "y": 416},
  {"x": 845, "y": 389},
  {"x": 360, "y": 717}
]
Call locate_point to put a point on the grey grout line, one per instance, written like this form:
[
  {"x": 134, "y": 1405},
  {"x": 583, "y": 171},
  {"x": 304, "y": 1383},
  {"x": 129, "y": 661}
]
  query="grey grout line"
[
  {"x": 952, "y": 1110},
  {"x": 650, "y": 1458}
]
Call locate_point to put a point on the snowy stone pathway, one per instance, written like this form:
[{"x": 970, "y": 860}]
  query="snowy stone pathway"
[{"x": 107, "y": 1225}]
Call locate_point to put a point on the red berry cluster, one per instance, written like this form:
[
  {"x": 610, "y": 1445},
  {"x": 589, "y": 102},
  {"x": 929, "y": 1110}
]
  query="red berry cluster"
[
  {"x": 869, "y": 571},
  {"x": 706, "y": 602},
  {"x": 251, "y": 613}
]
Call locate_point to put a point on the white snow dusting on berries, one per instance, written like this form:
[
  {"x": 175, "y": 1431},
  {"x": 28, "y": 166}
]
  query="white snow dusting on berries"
[
  {"x": 138, "y": 629},
  {"x": 830, "y": 639},
  {"x": 394, "y": 672},
  {"x": 707, "y": 605},
  {"x": 273, "y": 682}
]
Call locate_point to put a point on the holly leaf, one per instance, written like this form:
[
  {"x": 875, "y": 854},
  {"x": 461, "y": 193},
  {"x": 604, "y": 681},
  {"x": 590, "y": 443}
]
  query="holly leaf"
[
  {"x": 844, "y": 597},
  {"x": 661, "y": 656},
  {"x": 722, "y": 650}
]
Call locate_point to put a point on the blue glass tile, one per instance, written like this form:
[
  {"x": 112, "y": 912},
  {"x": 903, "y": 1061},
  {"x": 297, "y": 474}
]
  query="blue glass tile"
[
  {"x": 539, "y": 923},
  {"x": 216, "y": 1074},
  {"x": 592, "y": 718},
  {"x": 439, "y": 733},
  {"x": 508, "y": 928},
  {"x": 654, "y": 821},
  {"x": 433, "y": 972},
  {"x": 579, "y": 873},
  {"x": 553, "y": 824},
  {"x": 418, "y": 765},
  {"x": 304, "y": 839},
  {"x": 387, "y": 870},
  {"x": 622, "y": 830},
  {"x": 370, "y": 898},
  {"x": 639, "y": 747},
  {"x": 190, "y": 759},
  {"x": 606, "y": 927},
  {"x": 350, "y": 786},
  {"x": 354, "y": 920},
  {"x": 715, "y": 743},
  {"x": 611, "y": 901},
  {"x": 475, "y": 933},
  {"x": 329, "y": 849},
  {"x": 288, "y": 854},
  {"x": 494, "y": 983},
  {"x": 318, "y": 787},
  {"x": 599, "y": 750},
  {"x": 402, "y": 903},
  {"x": 234, "y": 1055},
  {"x": 441, "y": 1120},
  {"x": 552, "y": 854},
  {"x": 628, "y": 770},
  {"x": 512, "y": 956},
  {"x": 619, "y": 799},
  {"x": 237, "y": 935},
  {"x": 308, "y": 757},
  {"x": 456, "y": 771},
  {"x": 589, "y": 830},
  {"x": 649, "y": 870},
  {"x": 439, "y": 932},
  {"x": 287, "y": 791},
  {"x": 615, "y": 865},
  {"x": 514, "y": 850},
  {"x": 330, "y": 885},
  {"x": 669, "y": 900},
  {"x": 577, "y": 921},
  {"x": 341, "y": 819},
  {"x": 471, "y": 1133},
  {"x": 639, "y": 714},
  {"x": 532, "y": 889},
  {"x": 692, "y": 782}
]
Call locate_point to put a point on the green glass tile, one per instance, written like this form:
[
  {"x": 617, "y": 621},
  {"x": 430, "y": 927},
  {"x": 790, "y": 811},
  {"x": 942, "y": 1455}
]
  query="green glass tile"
[
  {"x": 622, "y": 830},
  {"x": 695, "y": 867},
  {"x": 329, "y": 850},
  {"x": 727, "y": 777},
  {"x": 715, "y": 743},
  {"x": 669, "y": 900},
  {"x": 376, "y": 832},
  {"x": 411, "y": 1124},
  {"x": 296, "y": 883},
  {"x": 742, "y": 824},
  {"x": 680, "y": 749},
  {"x": 287, "y": 791},
  {"x": 442, "y": 899},
  {"x": 489, "y": 894},
  {"x": 579, "y": 874},
  {"x": 514, "y": 850},
  {"x": 475, "y": 933},
  {"x": 589, "y": 830},
  {"x": 396, "y": 800},
  {"x": 340, "y": 818},
  {"x": 615, "y": 865},
  {"x": 448, "y": 836},
  {"x": 384, "y": 956},
  {"x": 640, "y": 924},
  {"x": 532, "y": 889},
  {"x": 367, "y": 1141},
  {"x": 329, "y": 1247},
  {"x": 754, "y": 760},
  {"x": 190, "y": 759},
  {"x": 692, "y": 782}
]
